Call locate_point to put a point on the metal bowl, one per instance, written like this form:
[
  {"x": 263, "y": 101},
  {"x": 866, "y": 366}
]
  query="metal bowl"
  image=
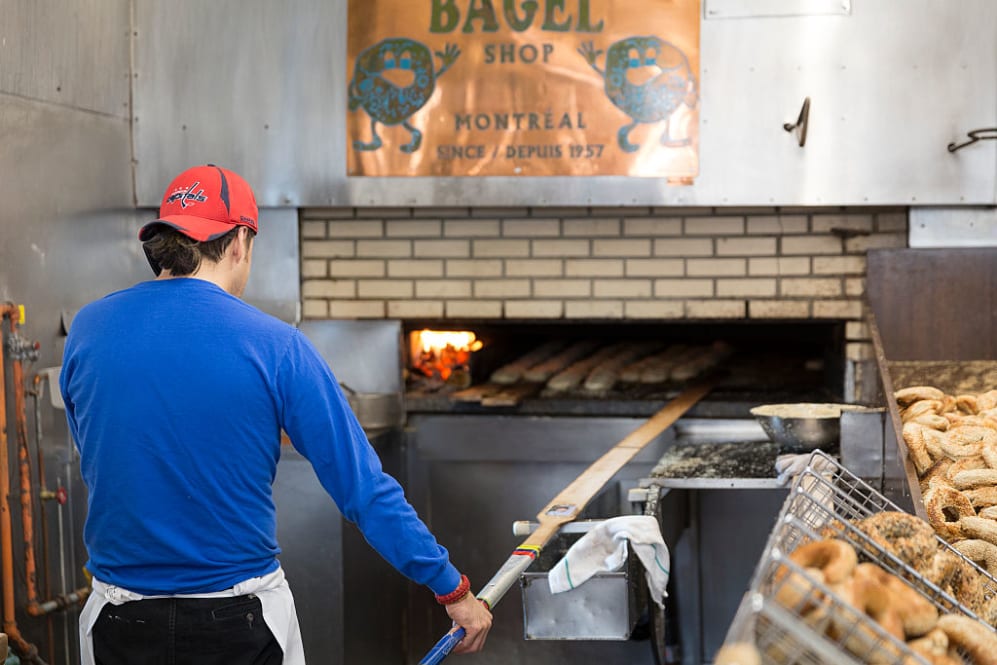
[{"x": 800, "y": 427}]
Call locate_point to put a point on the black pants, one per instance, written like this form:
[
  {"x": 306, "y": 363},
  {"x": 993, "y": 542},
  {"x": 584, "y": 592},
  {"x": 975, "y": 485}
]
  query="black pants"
[{"x": 185, "y": 631}]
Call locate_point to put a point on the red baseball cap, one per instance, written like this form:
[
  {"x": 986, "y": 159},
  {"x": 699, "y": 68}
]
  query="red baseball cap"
[{"x": 205, "y": 203}]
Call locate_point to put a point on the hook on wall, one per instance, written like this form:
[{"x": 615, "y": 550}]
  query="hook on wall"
[
  {"x": 802, "y": 121},
  {"x": 974, "y": 136}
]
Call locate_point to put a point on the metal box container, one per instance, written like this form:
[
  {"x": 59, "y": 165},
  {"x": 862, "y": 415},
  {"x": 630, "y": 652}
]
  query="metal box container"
[{"x": 605, "y": 607}]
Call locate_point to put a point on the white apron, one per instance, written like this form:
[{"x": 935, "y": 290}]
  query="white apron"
[{"x": 272, "y": 590}]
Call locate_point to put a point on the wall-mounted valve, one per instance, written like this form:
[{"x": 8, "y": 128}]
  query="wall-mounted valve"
[{"x": 19, "y": 348}]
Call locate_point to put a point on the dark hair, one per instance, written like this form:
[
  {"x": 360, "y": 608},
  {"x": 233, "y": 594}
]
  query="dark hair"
[{"x": 181, "y": 255}]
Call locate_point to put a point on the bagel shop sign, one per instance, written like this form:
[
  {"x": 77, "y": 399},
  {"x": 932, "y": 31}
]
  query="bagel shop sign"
[{"x": 523, "y": 87}]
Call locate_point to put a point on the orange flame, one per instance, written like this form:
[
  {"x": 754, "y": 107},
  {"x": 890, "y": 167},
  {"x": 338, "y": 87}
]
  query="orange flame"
[{"x": 437, "y": 353}]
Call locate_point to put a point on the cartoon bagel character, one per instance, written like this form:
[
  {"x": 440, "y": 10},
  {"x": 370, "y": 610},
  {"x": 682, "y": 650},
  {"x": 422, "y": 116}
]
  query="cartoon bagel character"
[
  {"x": 648, "y": 79},
  {"x": 392, "y": 80}
]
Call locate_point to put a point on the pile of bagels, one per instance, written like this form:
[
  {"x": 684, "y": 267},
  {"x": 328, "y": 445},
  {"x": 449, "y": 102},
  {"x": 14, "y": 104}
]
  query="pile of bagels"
[
  {"x": 877, "y": 594},
  {"x": 952, "y": 443}
]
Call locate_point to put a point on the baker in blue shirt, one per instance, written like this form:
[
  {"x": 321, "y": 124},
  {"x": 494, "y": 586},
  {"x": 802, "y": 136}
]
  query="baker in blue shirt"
[{"x": 176, "y": 392}]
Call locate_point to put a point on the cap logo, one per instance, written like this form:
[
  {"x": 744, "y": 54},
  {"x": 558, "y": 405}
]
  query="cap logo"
[{"x": 188, "y": 195}]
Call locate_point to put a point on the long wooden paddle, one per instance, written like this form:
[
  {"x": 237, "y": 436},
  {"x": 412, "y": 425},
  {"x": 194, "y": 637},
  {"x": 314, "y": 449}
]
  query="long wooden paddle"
[{"x": 568, "y": 505}]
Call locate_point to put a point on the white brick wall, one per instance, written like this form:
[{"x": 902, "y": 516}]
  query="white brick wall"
[{"x": 598, "y": 264}]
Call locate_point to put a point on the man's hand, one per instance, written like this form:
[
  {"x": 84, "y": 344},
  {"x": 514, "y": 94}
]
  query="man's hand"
[{"x": 471, "y": 614}]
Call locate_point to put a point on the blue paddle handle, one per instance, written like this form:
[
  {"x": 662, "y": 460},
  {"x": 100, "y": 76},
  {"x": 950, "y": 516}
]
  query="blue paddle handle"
[
  {"x": 443, "y": 648},
  {"x": 490, "y": 596}
]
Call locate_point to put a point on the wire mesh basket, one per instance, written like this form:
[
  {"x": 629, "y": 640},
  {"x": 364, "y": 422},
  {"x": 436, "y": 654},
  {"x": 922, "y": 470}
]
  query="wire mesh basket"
[
  {"x": 828, "y": 499},
  {"x": 793, "y": 617},
  {"x": 779, "y": 636},
  {"x": 830, "y": 618}
]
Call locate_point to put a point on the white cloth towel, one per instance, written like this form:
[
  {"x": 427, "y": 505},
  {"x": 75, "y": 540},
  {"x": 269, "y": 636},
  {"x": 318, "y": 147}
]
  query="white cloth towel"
[
  {"x": 604, "y": 548},
  {"x": 790, "y": 465}
]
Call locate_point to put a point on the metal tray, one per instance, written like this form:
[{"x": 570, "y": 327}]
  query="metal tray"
[{"x": 606, "y": 607}]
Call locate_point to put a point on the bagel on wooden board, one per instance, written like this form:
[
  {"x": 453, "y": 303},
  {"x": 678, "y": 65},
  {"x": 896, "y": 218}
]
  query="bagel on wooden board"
[
  {"x": 946, "y": 507},
  {"x": 972, "y": 434},
  {"x": 958, "y": 447},
  {"x": 927, "y": 406},
  {"x": 937, "y": 474},
  {"x": 907, "y": 396},
  {"x": 979, "y": 527},
  {"x": 982, "y": 497},
  {"x": 933, "y": 442},
  {"x": 932, "y": 421},
  {"x": 967, "y": 404},
  {"x": 965, "y": 464},
  {"x": 981, "y": 552},
  {"x": 975, "y": 479},
  {"x": 917, "y": 448},
  {"x": 989, "y": 455},
  {"x": 987, "y": 401}
]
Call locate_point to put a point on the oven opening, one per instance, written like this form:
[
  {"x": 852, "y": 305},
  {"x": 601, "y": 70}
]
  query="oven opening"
[{"x": 621, "y": 368}]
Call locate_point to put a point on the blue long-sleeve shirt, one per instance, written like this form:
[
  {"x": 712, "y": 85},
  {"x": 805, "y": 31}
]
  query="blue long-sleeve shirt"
[{"x": 176, "y": 393}]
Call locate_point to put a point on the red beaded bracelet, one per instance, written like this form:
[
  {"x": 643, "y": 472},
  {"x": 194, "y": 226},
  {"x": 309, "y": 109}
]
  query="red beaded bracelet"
[{"x": 457, "y": 594}]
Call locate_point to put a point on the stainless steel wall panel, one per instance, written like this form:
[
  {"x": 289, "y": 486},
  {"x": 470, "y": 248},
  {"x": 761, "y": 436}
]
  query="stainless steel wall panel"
[
  {"x": 72, "y": 54},
  {"x": 953, "y": 227},
  {"x": 717, "y": 9},
  {"x": 309, "y": 530},
  {"x": 862, "y": 444},
  {"x": 733, "y": 529},
  {"x": 59, "y": 165},
  {"x": 275, "y": 284},
  {"x": 880, "y": 118},
  {"x": 255, "y": 86},
  {"x": 365, "y": 355},
  {"x": 375, "y": 593},
  {"x": 58, "y": 161},
  {"x": 261, "y": 88}
]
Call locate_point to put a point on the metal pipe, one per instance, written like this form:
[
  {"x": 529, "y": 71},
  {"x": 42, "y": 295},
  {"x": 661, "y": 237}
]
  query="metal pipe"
[
  {"x": 24, "y": 465},
  {"x": 35, "y": 607},
  {"x": 44, "y": 495},
  {"x": 29, "y": 652},
  {"x": 62, "y": 568}
]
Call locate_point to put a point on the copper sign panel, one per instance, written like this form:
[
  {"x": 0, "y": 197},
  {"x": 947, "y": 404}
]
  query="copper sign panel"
[{"x": 523, "y": 87}]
